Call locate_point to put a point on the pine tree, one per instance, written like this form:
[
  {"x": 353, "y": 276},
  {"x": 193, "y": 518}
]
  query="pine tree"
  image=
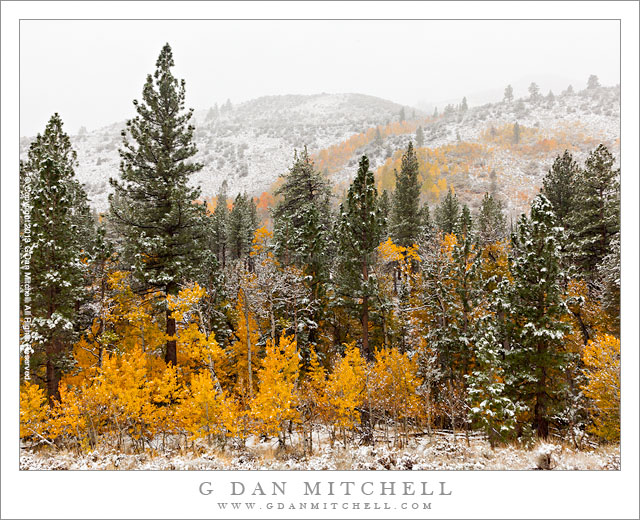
[
  {"x": 220, "y": 223},
  {"x": 593, "y": 82},
  {"x": 153, "y": 206},
  {"x": 516, "y": 133},
  {"x": 491, "y": 222},
  {"x": 240, "y": 232},
  {"x": 419, "y": 137},
  {"x": 534, "y": 92},
  {"x": 426, "y": 224},
  {"x": 508, "y": 94},
  {"x": 51, "y": 252},
  {"x": 558, "y": 185},
  {"x": 490, "y": 406},
  {"x": 447, "y": 212},
  {"x": 405, "y": 211},
  {"x": 463, "y": 106},
  {"x": 302, "y": 231},
  {"x": 537, "y": 358},
  {"x": 596, "y": 221},
  {"x": 360, "y": 231},
  {"x": 384, "y": 206},
  {"x": 402, "y": 115}
]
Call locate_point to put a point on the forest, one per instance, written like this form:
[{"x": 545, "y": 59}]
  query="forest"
[{"x": 389, "y": 313}]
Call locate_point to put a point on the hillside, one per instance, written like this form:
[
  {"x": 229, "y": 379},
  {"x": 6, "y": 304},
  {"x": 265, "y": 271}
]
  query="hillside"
[{"x": 251, "y": 144}]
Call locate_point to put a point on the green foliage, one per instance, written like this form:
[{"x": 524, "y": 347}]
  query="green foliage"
[{"x": 405, "y": 221}]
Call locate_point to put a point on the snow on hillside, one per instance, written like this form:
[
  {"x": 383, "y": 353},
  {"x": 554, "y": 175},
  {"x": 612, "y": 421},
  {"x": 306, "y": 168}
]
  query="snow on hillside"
[{"x": 251, "y": 144}]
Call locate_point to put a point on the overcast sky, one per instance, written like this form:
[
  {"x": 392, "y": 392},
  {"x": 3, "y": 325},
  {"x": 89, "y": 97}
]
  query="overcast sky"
[{"x": 90, "y": 71}]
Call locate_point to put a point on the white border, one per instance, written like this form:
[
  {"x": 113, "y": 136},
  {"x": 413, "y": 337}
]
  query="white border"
[{"x": 164, "y": 495}]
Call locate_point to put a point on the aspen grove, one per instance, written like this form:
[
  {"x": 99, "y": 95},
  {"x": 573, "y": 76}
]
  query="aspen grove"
[{"x": 364, "y": 317}]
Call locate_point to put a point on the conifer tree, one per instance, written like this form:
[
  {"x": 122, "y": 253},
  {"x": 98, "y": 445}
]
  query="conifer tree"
[
  {"x": 559, "y": 187},
  {"x": 596, "y": 220},
  {"x": 447, "y": 212},
  {"x": 153, "y": 205},
  {"x": 537, "y": 357},
  {"x": 302, "y": 231},
  {"x": 360, "y": 231},
  {"x": 242, "y": 226},
  {"x": 51, "y": 252},
  {"x": 384, "y": 206},
  {"x": 463, "y": 106},
  {"x": 419, "y": 137},
  {"x": 516, "y": 133},
  {"x": 508, "y": 94},
  {"x": 220, "y": 223},
  {"x": 491, "y": 222},
  {"x": 405, "y": 211}
]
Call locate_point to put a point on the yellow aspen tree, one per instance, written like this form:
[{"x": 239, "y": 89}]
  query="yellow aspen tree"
[
  {"x": 277, "y": 399},
  {"x": 601, "y": 357},
  {"x": 346, "y": 390}
]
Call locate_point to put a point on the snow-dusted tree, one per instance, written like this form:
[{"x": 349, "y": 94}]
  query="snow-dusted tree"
[
  {"x": 491, "y": 224},
  {"x": 558, "y": 185},
  {"x": 489, "y": 403},
  {"x": 534, "y": 92},
  {"x": 219, "y": 226},
  {"x": 405, "y": 210},
  {"x": 508, "y": 94},
  {"x": 243, "y": 222},
  {"x": 419, "y": 137},
  {"x": 51, "y": 251},
  {"x": 596, "y": 220},
  {"x": 609, "y": 273},
  {"x": 593, "y": 82},
  {"x": 516, "y": 133},
  {"x": 463, "y": 106},
  {"x": 447, "y": 212},
  {"x": 537, "y": 355},
  {"x": 302, "y": 232},
  {"x": 360, "y": 232},
  {"x": 153, "y": 205}
]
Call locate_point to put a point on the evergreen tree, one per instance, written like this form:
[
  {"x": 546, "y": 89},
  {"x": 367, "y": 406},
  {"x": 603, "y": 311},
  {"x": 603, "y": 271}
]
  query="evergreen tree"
[
  {"x": 220, "y": 223},
  {"x": 447, "y": 212},
  {"x": 508, "y": 94},
  {"x": 491, "y": 222},
  {"x": 402, "y": 115},
  {"x": 378, "y": 136},
  {"x": 242, "y": 227},
  {"x": 153, "y": 205},
  {"x": 405, "y": 219},
  {"x": 463, "y": 106},
  {"x": 596, "y": 221},
  {"x": 489, "y": 403},
  {"x": 302, "y": 231},
  {"x": 426, "y": 224},
  {"x": 516, "y": 133},
  {"x": 537, "y": 357},
  {"x": 534, "y": 92},
  {"x": 51, "y": 253},
  {"x": 384, "y": 206},
  {"x": 558, "y": 185},
  {"x": 419, "y": 137},
  {"x": 435, "y": 112},
  {"x": 361, "y": 224},
  {"x": 593, "y": 82}
]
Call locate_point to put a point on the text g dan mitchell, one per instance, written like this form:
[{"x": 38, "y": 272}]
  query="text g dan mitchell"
[{"x": 326, "y": 488}]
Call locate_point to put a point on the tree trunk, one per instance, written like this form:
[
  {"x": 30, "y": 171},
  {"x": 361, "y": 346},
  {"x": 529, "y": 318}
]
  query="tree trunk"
[
  {"x": 539, "y": 411},
  {"x": 171, "y": 353}
]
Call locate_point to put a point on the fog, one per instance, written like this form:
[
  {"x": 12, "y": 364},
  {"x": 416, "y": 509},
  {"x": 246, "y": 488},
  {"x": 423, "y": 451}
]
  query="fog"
[{"x": 90, "y": 71}]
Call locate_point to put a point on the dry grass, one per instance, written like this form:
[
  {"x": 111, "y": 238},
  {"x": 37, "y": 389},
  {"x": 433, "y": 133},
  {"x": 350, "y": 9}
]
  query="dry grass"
[{"x": 439, "y": 452}]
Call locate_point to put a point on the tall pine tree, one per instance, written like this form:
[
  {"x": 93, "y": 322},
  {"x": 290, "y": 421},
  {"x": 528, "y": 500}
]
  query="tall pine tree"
[
  {"x": 153, "y": 205},
  {"x": 405, "y": 211},
  {"x": 52, "y": 249},
  {"x": 361, "y": 224},
  {"x": 447, "y": 212},
  {"x": 537, "y": 357}
]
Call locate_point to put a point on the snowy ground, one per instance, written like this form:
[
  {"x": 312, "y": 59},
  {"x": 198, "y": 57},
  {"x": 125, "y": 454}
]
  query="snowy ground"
[{"x": 437, "y": 453}]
